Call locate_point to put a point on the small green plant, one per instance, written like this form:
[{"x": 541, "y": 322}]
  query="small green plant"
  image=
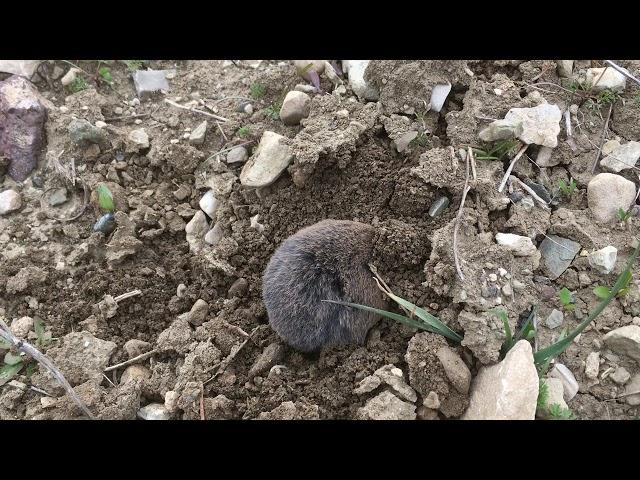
[
  {"x": 543, "y": 357},
  {"x": 244, "y": 132},
  {"x": 527, "y": 332},
  {"x": 607, "y": 97},
  {"x": 105, "y": 74},
  {"x": 498, "y": 151},
  {"x": 422, "y": 140},
  {"x": 624, "y": 215},
  {"x": 12, "y": 364},
  {"x": 105, "y": 198},
  {"x": 603, "y": 292},
  {"x": 543, "y": 395},
  {"x": 556, "y": 412},
  {"x": 567, "y": 189},
  {"x": 133, "y": 65},
  {"x": 257, "y": 91},
  {"x": 565, "y": 299},
  {"x": 78, "y": 85},
  {"x": 273, "y": 111}
]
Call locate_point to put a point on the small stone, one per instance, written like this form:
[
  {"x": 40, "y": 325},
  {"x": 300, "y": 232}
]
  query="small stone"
[
  {"x": 198, "y": 134},
  {"x": 611, "y": 79},
  {"x": 237, "y": 155},
  {"x": 118, "y": 111},
  {"x": 632, "y": 387},
  {"x": 248, "y": 109},
  {"x": 268, "y": 162},
  {"x": 70, "y": 76},
  {"x": 239, "y": 288},
  {"x": 198, "y": 312},
  {"x": 48, "y": 402},
  {"x": 21, "y": 327},
  {"x": 269, "y": 357},
  {"x": 439, "y": 95},
  {"x": 209, "y": 204},
  {"x": 10, "y": 201},
  {"x": 507, "y": 290},
  {"x": 500, "y": 130},
  {"x": 355, "y": 71},
  {"x": 83, "y": 133},
  {"x": 519, "y": 245},
  {"x": 295, "y": 107},
  {"x": 58, "y": 197},
  {"x": 610, "y": 146},
  {"x": 148, "y": 82},
  {"x": 432, "y": 401},
  {"x": 154, "y": 411},
  {"x": 105, "y": 224},
  {"x": 622, "y": 158},
  {"x": 567, "y": 378},
  {"x": 386, "y": 406},
  {"x": 135, "y": 347},
  {"x": 25, "y": 68},
  {"x": 438, "y": 206},
  {"x": 492, "y": 277},
  {"x": 518, "y": 285},
  {"x": 181, "y": 290},
  {"x": 544, "y": 158},
  {"x": 604, "y": 260},
  {"x": 135, "y": 373},
  {"x": 557, "y": 254},
  {"x": 508, "y": 390},
  {"x": 625, "y": 341},
  {"x": 171, "y": 401},
  {"x": 607, "y": 193},
  {"x": 393, "y": 377},
  {"x": 592, "y": 365},
  {"x": 555, "y": 319},
  {"x": 196, "y": 229},
  {"x": 425, "y": 413},
  {"x": 139, "y": 138},
  {"x": 101, "y": 124},
  {"x": 564, "y": 68},
  {"x": 214, "y": 235},
  {"x": 541, "y": 124},
  {"x": 455, "y": 369},
  {"x": 368, "y": 384},
  {"x": 620, "y": 376},
  {"x": 404, "y": 140},
  {"x": 584, "y": 279}
]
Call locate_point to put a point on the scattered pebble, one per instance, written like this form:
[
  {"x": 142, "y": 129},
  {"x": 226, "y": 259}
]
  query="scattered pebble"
[
  {"x": 555, "y": 396},
  {"x": 455, "y": 369},
  {"x": 209, "y": 204},
  {"x": 139, "y": 138},
  {"x": 105, "y": 224},
  {"x": 295, "y": 107},
  {"x": 393, "y": 377},
  {"x": 611, "y": 79},
  {"x": 154, "y": 411},
  {"x": 386, "y": 406},
  {"x": 592, "y": 365},
  {"x": 607, "y": 193},
  {"x": 10, "y": 201},
  {"x": 21, "y": 327},
  {"x": 518, "y": 244},
  {"x": 135, "y": 373},
  {"x": 237, "y": 155},
  {"x": 198, "y": 312},
  {"x": 439, "y": 95},
  {"x": 368, "y": 384},
  {"x": 432, "y": 401},
  {"x": 135, "y": 347},
  {"x": 270, "y": 159},
  {"x": 269, "y": 357},
  {"x": 148, "y": 82},
  {"x": 214, "y": 235},
  {"x": 557, "y": 254},
  {"x": 567, "y": 378},
  {"x": 620, "y": 376},
  {"x": 198, "y": 134},
  {"x": 604, "y": 260},
  {"x": 238, "y": 288},
  {"x": 501, "y": 130},
  {"x": 545, "y": 157},
  {"x": 555, "y": 319},
  {"x": 181, "y": 290},
  {"x": 540, "y": 125},
  {"x": 58, "y": 197},
  {"x": 622, "y": 158},
  {"x": 625, "y": 341},
  {"x": 70, "y": 76},
  {"x": 564, "y": 68},
  {"x": 632, "y": 387}
]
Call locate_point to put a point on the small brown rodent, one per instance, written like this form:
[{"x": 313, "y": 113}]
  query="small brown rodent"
[{"x": 325, "y": 261}]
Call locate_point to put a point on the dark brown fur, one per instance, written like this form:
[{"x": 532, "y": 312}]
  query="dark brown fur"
[{"x": 326, "y": 261}]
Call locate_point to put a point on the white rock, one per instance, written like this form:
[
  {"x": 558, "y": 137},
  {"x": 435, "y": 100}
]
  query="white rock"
[
  {"x": 555, "y": 319},
  {"x": 604, "y": 260},
  {"x": 70, "y": 76},
  {"x": 10, "y": 201},
  {"x": 518, "y": 244},
  {"x": 612, "y": 79},
  {"x": 25, "y": 68},
  {"x": 305, "y": 88},
  {"x": 564, "y": 68},
  {"x": 607, "y": 193},
  {"x": 540, "y": 125},
  {"x": 432, "y": 401},
  {"x": 622, "y": 158},
  {"x": 403, "y": 142},
  {"x": 237, "y": 155},
  {"x": 592, "y": 365},
  {"x": 368, "y": 384},
  {"x": 508, "y": 390},
  {"x": 139, "y": 138},
  {"x": 196, "y": 230},
  {"x": 295, "y": 107},
  {"x": 209, "y": 204},
  {"x": 544, "y": 158},
  {"x": 214, "y": 235},
  {"x": 248, "y": 109},
  {"x": 386, "y": 406},
  {"x": 625, "y": 341},
  {"x": 610, "y": 146},
  {"x": 197, "y": 136},
  {"x": 171, "y": 401},
  {"x": 620, "y": 376},
  {"x": 355, "y": 70},
  {"x": 270, "y": 159},
  {"x": 154, "y": 411},
  {"x": 500, "y": 130},
  {"x": 567, "y": 378},
  {"x": 439, "y": 95},
  {"x": 632, "y": 387},
  {"x": 21, "y": 327},
  {"x": 389, "y": 375}
]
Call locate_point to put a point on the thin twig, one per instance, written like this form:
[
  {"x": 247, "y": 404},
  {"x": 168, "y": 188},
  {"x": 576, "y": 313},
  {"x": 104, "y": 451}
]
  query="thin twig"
[
  {"x": 137, "y": 359},
  {"x": 124, "y": 296},
  {"x": 109, "y": 380},
  {"x": 511, "y": 165},
  {"x": 193, "y": 109},
  {"x": 222, "y": 132},
  {"x": 622, "y": 71},
  {"x": 530, "y": 191},
  {"x": 457, "y": 222},
  {"x": 34, "y": 353},
  {"x": 604, "y": 134},
  {"x": 230, "y": 98},
  {"x": 473, "y": 163}
]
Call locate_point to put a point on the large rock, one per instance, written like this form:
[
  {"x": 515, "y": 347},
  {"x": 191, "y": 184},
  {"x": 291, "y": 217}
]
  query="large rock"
[
  {"x": 295, "y": 107},
  {"x": 25, "y": 68},
  {"x": 540, "y": 125},
  {"x": 508, "y": 390},
  {"x": 625, "y": 341},
  {"x": 355, "y": 71},
  {"x": 22, "y": 118},
  {"x": 622, "y": 158},
  {"x": 612, "y": 79},
  {"x": 386, "y": 406},
  {"x": 270, "y": 159},
  {"x": 607, "y": 193},
  {"x": 557, "y": 254}
]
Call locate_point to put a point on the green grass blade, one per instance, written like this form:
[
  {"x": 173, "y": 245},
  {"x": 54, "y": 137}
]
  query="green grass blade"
[
  {"x": 7, "y": 372},
  {"x": 429, "y": 319},
  {"x": 546, "y": 354},
  {"x": 394, "y": 316}
]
